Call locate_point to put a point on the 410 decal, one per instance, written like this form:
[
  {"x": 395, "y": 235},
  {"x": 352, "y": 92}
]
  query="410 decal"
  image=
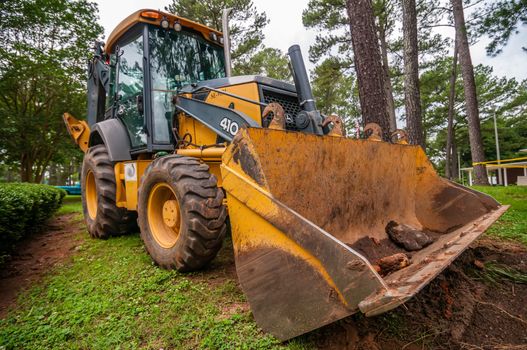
[{"x": 229, "y": 126}]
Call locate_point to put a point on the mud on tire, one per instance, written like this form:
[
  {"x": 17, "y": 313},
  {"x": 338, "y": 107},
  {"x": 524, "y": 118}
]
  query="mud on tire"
[
  {"x": 105, "y": 219},
  {"x": 201, "y": 223}
]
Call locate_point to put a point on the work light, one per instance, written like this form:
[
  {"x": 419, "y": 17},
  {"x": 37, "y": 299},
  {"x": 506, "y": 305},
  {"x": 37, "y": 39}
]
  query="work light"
[
  {"x": 177, "y": 26},
  {"x": 164, "y": 23}
]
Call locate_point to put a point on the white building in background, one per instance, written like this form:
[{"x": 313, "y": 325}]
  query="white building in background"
[{"x": 508, "y": 172}]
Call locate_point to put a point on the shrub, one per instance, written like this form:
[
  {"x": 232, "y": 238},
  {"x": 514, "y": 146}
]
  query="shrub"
[{"x": 23, "y": 208}]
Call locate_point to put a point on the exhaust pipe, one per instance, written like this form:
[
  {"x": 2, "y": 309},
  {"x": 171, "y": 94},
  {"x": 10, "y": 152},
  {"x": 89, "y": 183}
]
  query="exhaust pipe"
[
  {"x": 303, "y": 90},
  {"x": 226, "y": 41}
]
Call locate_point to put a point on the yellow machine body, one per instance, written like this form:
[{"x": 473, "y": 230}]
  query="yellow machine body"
[{"x": 200, "y": 134}]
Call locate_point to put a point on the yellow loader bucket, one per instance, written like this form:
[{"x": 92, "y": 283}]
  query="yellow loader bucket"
[{"x": 311, "y": 219}]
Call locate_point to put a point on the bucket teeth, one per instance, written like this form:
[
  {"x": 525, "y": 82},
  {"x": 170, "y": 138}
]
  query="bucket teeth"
[
  {"x": 373, "y": 132},
  {"x": 278, "y": 115},
  {"x": 338, "y": 125},
  {"x": 399, "y": 136}
]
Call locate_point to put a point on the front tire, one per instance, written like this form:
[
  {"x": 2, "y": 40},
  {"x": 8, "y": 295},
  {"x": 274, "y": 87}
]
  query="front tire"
[
  {"x": 103, "y": 217},
  {"x": 181, "y": 213}
]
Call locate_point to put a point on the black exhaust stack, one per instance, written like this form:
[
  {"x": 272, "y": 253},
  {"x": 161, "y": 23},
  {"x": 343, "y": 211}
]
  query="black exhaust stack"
[{"x": 304, "y": 93}]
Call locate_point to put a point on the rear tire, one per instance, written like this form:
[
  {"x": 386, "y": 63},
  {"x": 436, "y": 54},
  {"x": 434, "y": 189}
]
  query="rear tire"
[
  {"x": 103, "y": 217},
  {"x": 181, "y": 213}
]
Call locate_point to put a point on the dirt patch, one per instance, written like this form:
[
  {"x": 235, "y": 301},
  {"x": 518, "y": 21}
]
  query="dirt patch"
[
  {"x": 233, "y": 308},
  {"x": 221, "y": 269},
  {"x": 35, "y": 256},
  {"x": 374, "y": 249},
  {"x": 476, "y": 303}
]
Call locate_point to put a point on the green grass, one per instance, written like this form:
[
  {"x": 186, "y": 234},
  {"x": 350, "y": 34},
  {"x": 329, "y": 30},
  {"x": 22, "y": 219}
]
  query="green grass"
[
  {"x": 495, "y": 273},
  {"x": 512, "y": 224},
  {"x": 111, "y": 296},
  {"x": 70, "y": 204}
]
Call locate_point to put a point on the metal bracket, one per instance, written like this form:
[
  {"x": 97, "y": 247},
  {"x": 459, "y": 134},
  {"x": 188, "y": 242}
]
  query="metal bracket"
[{"x": 223, "y": 121}]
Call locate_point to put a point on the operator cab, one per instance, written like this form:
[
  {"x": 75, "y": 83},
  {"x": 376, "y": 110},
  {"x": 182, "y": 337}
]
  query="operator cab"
[{"x": 151, "y": 56}]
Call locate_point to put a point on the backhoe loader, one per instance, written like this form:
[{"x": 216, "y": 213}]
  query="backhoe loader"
[{"x": 177, "y": 145}]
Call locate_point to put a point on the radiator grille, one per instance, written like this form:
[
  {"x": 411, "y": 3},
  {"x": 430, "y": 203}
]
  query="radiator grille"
[{"x": 290, "y": 105}]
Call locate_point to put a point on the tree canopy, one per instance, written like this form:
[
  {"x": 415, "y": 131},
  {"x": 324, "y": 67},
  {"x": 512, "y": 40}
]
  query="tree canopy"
[
  {"x": 269, "y": 62},
  {"x": 336, "y": 92},
  {"x": 44, "y": 47},
  {"x": 502, "y": 19}
]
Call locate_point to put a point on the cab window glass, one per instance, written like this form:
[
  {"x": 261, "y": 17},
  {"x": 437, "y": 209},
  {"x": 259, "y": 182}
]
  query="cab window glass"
[
  {"x": 130, "y": 88},
  {"x": 178, "y": 59}
]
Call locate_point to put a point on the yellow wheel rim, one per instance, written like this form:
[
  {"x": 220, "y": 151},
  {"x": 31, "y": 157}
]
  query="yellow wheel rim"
[
  {"x": 164, "y": 215},
  {"x": 91, "y": 194}
]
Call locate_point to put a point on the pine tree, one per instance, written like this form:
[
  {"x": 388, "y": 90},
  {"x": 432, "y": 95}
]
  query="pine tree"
[
  {"x": 414, "y": 124},
  {"x": 501, "y": 21},
  {"x": 469, "y": 85},
  {"x": 368, "y": 66}
]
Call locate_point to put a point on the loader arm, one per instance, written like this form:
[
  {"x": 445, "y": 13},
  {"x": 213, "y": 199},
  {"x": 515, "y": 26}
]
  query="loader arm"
[{"x": 225, "y": 122}]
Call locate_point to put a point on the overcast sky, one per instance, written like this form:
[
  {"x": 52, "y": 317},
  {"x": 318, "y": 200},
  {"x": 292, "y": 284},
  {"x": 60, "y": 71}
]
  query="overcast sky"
[{"x": 285, "y": 29}]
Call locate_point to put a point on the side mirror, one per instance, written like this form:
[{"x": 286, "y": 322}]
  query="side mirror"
[{"x": 139, "y": 103}]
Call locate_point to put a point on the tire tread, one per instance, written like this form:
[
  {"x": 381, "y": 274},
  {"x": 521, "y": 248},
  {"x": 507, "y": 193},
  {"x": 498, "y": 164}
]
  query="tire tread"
[{"x": 202, "y": 203}]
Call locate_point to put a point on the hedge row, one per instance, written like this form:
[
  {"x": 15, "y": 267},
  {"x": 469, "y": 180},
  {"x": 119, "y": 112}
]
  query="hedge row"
[{"x": 23, "y": 208}]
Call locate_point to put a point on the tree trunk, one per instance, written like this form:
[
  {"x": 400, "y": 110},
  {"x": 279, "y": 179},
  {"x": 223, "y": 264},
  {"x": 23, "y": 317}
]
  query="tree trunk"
[
  {"x": 388, "y": 90},
  {"x": 26, "y": 169},
  {"x": 454, "y": 170},
  {"x": 41, "y": 168},
  {"x": 412, "y": 97},
  {"x": 54, "y": 175},
  {"x": 469, "y": 86},
  {"x": 64, "y": 173},
  {"x": 10, "y": 177},
  {"x": 450, "y": 155},
  {"x": 367, "y": 59},
  {"x": 39, "y": 177}
]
